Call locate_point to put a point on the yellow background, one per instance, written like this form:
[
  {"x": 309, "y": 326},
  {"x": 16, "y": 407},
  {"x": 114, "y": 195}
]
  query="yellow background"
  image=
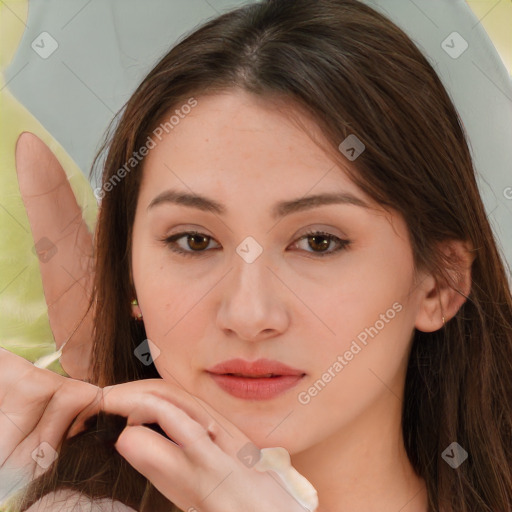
[{"x": 496, "y": 17}]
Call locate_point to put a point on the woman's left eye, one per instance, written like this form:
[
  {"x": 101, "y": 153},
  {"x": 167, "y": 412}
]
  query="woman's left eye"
[
  {"x": 199, "y": 242},
  {"x": 323, "y": 241}
]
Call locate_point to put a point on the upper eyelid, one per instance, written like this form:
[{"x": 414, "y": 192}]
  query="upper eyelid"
[{"x": 322, "y": 228}]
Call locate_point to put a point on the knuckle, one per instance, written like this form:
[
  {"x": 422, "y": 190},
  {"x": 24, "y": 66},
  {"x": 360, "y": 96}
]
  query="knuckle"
[{"x": 213, "y": 430}]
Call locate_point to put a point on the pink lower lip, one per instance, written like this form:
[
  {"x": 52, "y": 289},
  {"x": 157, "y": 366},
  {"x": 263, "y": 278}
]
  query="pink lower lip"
[{"x": 261, "y": 388}]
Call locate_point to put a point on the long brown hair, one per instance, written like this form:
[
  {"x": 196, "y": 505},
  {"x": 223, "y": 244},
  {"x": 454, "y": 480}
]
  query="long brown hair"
[{"x": 354, "y": 72}]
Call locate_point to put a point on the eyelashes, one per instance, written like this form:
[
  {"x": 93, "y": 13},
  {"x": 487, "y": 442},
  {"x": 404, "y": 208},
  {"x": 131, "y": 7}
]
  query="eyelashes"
[
  {"x": 171, "y": 242},
  {"x": 201, "y": 242}
]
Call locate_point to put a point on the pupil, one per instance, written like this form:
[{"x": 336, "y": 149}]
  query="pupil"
[{"x": 325, "y": 243}]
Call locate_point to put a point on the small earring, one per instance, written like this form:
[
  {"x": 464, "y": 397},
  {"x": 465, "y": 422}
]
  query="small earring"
[
  {"x": 442, "y": 312},
  {"x": 136, "y": 309}
]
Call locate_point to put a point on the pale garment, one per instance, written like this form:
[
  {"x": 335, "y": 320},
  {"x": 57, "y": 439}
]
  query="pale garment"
[{"x": 71, "y": 501}]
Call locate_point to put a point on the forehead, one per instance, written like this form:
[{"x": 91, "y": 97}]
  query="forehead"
[{"x": 237, "y": 142}]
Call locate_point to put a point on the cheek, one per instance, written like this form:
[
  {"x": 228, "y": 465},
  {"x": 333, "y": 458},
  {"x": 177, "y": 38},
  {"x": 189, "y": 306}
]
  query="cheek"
[
  {"x": 164, "y": 289},
  {"x": 175, "y": 319},
  {"x": 367, "y": 292},
  {"x": 371, "y": 319},
  {"x": 354, "y": 374},
  {"x": 363, "y": 342}
]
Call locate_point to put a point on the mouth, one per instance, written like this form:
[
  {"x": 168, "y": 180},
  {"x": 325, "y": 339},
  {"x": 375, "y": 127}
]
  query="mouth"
[{"x": 258, "y": 380}]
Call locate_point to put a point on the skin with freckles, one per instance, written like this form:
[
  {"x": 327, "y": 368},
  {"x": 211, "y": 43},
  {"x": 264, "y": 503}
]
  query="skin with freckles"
[{"x": 301, "y": 301}]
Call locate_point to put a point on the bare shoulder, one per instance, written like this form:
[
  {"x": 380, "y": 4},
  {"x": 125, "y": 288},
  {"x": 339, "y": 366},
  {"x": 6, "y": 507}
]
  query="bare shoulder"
[{"x": 71, "y": 501}]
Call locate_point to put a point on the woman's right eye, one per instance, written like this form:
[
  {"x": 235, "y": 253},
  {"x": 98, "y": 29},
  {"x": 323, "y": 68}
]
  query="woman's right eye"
[{"x": 195, "y": 240}]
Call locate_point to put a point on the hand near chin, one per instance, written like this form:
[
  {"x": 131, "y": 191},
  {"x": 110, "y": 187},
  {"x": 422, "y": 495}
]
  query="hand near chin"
[
  {"x": 36, "y": 409},
  {"x": 208, "y": 467}
]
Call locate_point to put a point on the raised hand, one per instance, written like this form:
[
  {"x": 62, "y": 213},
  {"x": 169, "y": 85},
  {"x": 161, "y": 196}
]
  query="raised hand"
[{"x": 55, "y": 216}]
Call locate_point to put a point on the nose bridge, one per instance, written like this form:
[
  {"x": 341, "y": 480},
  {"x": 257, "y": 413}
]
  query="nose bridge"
[
  {"x": 250, "y": 304},
  {"x": 251, "y": 277}
]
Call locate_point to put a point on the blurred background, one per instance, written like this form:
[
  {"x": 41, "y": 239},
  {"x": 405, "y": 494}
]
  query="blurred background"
[{"x": 496, "y": 17}]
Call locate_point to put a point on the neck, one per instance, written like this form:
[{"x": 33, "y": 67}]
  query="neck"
[{"x": 365, "y": 466}]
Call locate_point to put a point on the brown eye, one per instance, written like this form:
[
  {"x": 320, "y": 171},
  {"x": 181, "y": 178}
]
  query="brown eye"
[
  {"x": 195, "y": 243},
  {"x": 198, "y": 242},
  {"x": 320, "y": 243}
]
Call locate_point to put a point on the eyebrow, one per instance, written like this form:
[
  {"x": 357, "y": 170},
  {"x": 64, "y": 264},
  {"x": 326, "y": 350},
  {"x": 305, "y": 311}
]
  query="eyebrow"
[{"x": 281, "y": 209}]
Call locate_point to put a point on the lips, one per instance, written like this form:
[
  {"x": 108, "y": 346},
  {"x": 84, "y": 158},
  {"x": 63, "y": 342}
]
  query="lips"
[
  {"x": 257, "y": 380},
  {"x": 256, "y": 369}
]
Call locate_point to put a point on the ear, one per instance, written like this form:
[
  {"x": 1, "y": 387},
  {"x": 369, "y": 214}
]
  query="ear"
[{"x": 442, "y": 296}]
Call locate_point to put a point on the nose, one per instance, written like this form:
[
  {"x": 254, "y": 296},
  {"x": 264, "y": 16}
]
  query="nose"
[{"x": 252, "y": 306}]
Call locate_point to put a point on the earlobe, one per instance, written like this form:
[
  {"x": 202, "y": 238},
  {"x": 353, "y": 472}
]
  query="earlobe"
[{"x": 444, "y": 296}]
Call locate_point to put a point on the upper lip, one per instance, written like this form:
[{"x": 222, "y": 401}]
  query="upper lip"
[{"x": 258, "y": 368}]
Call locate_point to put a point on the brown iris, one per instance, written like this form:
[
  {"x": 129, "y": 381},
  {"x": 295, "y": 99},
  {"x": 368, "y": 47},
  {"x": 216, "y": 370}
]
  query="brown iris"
[
  {"x": 201, "y": 245},
  {"x": 322, "y": 245}
]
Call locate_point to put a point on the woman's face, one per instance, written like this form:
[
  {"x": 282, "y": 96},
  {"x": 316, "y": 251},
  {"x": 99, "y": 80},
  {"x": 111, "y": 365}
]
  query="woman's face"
[{"x": 252, "y": 285}]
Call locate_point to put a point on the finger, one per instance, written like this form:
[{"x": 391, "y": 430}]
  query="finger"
[
  {"x": 62, "y": 242},
  {"x": 37, "y": 405},
  {"x": 124, "y": 398},
  {"x": 65, "y": 406},
  {"x": 157, "y": 458},
  {"x": 161, "y": 462},
  {"x": 175, "y": 422},
  {"x": 46, "y": 417},
  {"x": 149, "y": 453}
]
